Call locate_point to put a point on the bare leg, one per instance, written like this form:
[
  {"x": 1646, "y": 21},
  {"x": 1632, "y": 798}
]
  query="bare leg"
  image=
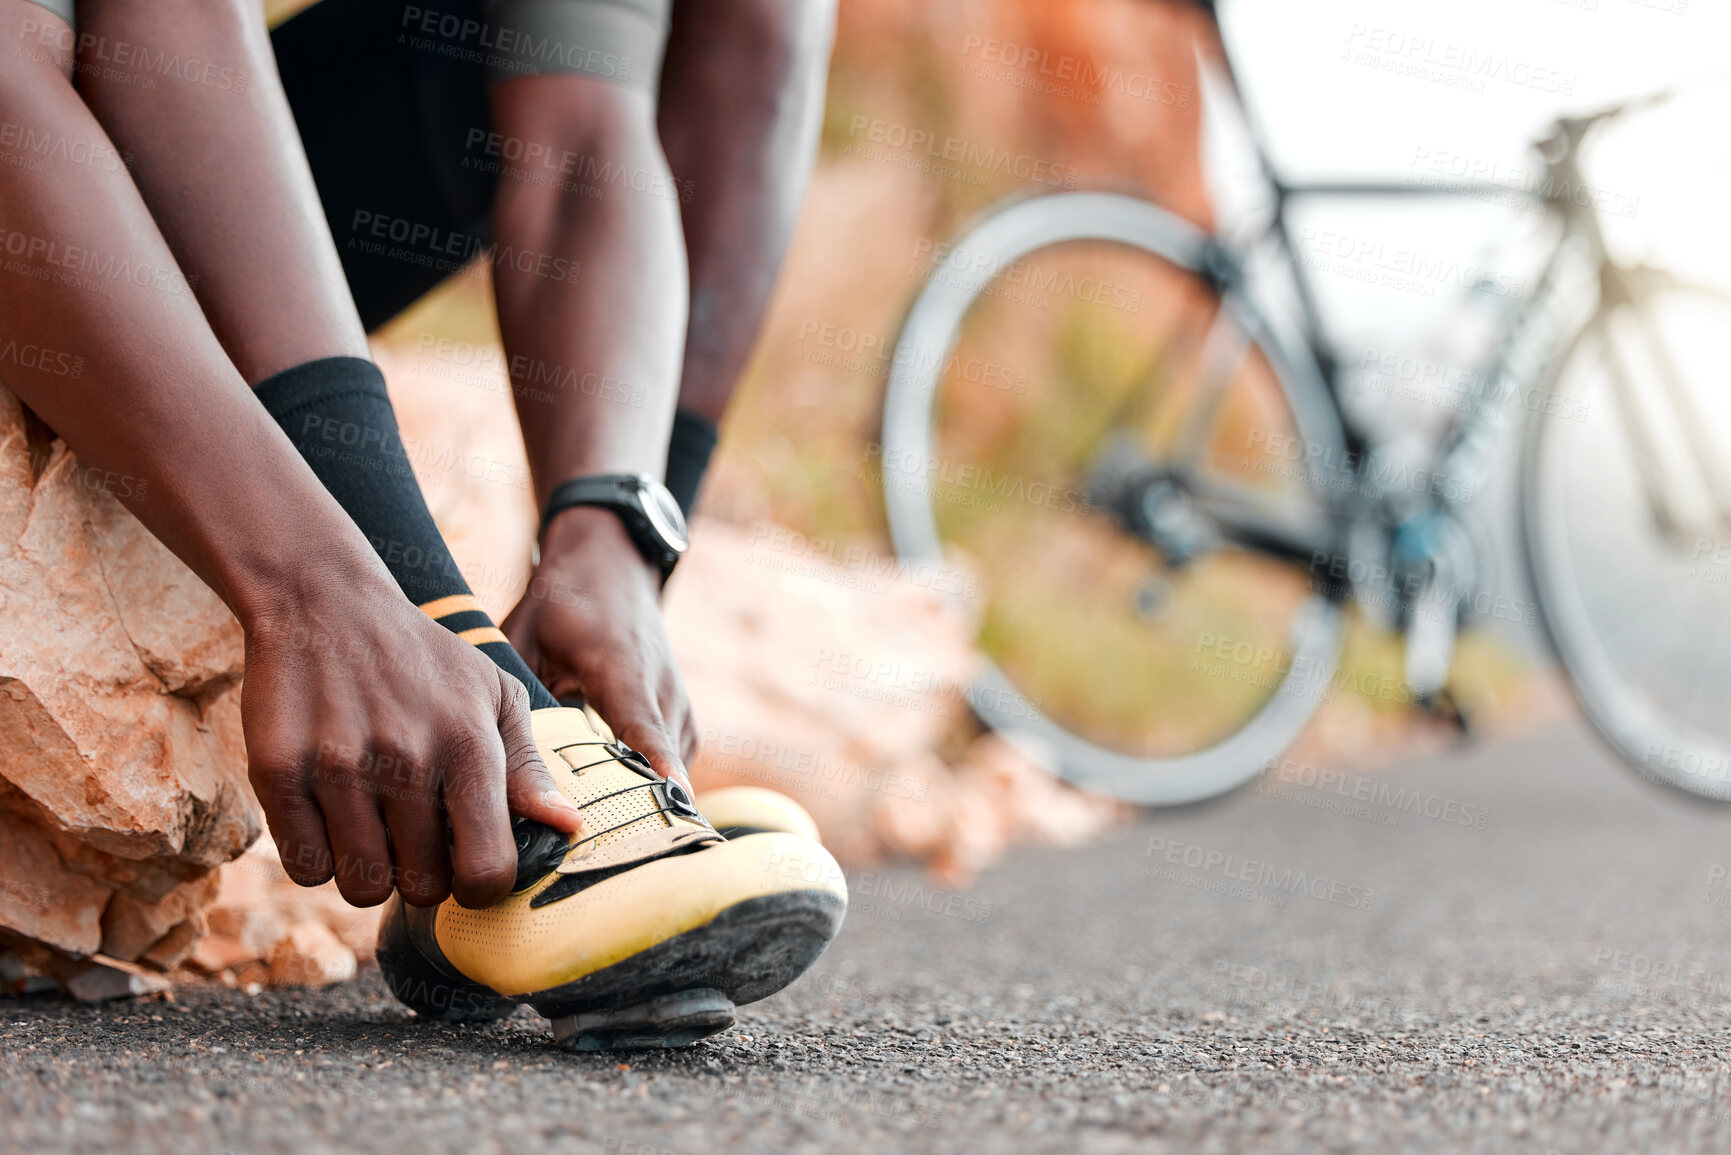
[
  {"x": 613, "y": 308},
  {"x": 742, "y": 96}
]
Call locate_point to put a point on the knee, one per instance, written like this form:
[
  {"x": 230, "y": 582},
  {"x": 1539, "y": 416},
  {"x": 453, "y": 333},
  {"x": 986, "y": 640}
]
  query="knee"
[
  {"x": 568, "y": 111},
  {"x": 787, "y": 42}
]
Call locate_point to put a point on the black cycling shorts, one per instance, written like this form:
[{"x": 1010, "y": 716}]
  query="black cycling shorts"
[{"x": 391, "y": 102}]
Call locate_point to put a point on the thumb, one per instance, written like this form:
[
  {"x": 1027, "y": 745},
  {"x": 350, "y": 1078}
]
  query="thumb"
[{"x": 529, "y": 788}]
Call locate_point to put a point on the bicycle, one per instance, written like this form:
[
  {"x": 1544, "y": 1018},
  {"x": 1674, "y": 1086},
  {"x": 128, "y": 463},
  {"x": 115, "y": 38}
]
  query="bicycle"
[{"x": 1231, "y": 466}]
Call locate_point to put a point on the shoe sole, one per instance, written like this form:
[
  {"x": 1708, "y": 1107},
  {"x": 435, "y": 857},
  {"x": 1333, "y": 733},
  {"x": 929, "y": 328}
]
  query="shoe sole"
[
  {"x": 686, "y": 987},
  {"x": 680, "y": 990}
]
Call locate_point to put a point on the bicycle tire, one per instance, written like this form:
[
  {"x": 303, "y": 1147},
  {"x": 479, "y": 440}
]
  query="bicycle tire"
[
  {"x": 929, "y": 333},
  {"x": 1663, "y": 749}
]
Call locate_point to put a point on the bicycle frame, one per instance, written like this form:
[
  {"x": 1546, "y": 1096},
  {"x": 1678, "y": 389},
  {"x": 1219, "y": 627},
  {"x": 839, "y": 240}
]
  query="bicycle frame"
[{"x": 1465, "y": 450}]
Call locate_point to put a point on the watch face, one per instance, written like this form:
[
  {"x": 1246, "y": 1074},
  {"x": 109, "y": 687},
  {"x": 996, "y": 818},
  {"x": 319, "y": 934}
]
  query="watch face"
[{"x": 664, "y": 515}]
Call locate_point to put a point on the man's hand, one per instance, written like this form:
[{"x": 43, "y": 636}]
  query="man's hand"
[
  {"x": 590, "y": 625},
  {"x": 387, "y": 752}
]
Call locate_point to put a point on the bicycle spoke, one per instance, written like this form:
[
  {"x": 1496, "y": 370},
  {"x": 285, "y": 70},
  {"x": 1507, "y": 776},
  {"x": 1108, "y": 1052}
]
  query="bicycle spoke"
[
  {"x": 1130, "y": 412},
  {"x": 1123, "y": 415},
  {"x": 1224, "y": 353},
  {"x": 1642, "y": 439}
]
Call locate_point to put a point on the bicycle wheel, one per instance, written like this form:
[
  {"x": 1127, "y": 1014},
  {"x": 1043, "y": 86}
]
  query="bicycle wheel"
[
  {"x": 1626, "y": 510},
  {"x": 1061, "y": 334}
]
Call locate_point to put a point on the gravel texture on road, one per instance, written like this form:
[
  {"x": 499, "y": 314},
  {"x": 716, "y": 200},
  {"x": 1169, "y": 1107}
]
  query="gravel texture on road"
[{"x": 1507, "y": 949}]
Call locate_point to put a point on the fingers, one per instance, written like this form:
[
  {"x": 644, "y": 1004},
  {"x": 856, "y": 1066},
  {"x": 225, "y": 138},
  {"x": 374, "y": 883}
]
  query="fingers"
[
  {"x": 676, "y": 711},
  {"x": 483, "y": 853},
  {"x": 281, "y": 772},
  {"x": 688, "y": 739},
  {"x": 420, "y": 839},
  {"x": 357, "y": 768},
  {"x": 346, "y": 796},
  {"x": 618, "y": 659},
  {"x": 636, "y": 718},
  {"x": 297, "y": 826},
  {"x": 529, "y": 788},
  {"x": 657, "y": 744},
  {"x": 620, "y": 691}
]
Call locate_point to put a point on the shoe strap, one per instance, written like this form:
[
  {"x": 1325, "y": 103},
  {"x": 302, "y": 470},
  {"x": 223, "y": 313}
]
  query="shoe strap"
[
  {"x": 686, "y": 827},
  {"x": 586, "y": 857}
]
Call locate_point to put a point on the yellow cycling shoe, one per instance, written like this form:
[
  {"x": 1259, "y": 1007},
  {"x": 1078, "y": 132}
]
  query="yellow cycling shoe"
[
  {"x": 646, "y": 929},
  {"x": 736, "y": 811}
]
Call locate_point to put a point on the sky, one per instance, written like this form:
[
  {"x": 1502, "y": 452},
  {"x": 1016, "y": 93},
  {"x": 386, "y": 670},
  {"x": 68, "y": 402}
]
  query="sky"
[{"x": 1327, "y": 106}]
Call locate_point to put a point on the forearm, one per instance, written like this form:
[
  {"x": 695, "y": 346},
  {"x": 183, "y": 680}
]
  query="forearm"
[
  {"x": 590, "y": 279},
  {"x": 742, "y": 100},
  {"x": 145, "y": 390}
]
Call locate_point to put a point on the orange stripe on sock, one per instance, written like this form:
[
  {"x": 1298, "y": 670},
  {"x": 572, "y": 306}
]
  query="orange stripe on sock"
[
  {"x": 455, "y": 604},
  {"x": 481, "y": 635}
]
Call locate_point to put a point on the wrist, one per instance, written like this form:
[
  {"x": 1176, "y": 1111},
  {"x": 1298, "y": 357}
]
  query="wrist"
[
  {"x": 592, "y": 531},
  {"x": 265, "y": 594}
]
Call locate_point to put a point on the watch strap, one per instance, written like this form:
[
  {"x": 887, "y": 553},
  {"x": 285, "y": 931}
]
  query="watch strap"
[
  {"x": 614, "y": 490},
  {"x": 623, "y": 494}
]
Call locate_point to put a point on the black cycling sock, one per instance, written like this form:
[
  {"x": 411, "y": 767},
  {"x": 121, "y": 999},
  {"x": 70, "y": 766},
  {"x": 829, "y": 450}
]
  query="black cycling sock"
[
  {"x": 688, "y": 452},
  {"x": 338, "y": 415}
]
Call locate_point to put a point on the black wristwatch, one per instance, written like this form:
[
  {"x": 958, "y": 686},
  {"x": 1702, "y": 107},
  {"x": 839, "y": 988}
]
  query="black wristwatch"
[{"x": 649, "y": 512}]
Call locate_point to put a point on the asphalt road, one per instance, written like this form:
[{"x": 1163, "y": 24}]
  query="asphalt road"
[{"x": 1525, "y": 951}]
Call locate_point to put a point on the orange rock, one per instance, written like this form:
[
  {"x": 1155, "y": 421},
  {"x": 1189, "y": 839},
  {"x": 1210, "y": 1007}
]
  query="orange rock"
[
  {"x": 90, "y": 733},
  {"x": 310, "y": 956},
  {"x": 255, "y": 929},
  {"x": 122, "y": 773},
  {"x": 40, "y": 898},
  {"x": 132, "y": 929},
  {"x": 215, "y": 953},
  {"x": 176, "y": 946}
]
